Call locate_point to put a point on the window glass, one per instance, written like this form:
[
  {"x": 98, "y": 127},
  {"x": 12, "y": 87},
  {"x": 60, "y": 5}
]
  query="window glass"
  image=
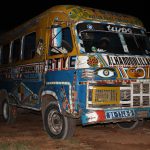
[
  {"x": 16, "y": 49},
  {"x": 104, "y": 38},
  {"x": 98, "y": 41},
  {"x": 137, "y": 44},
  {"x": 66, "y": 39},
  {"x": 66, "y": 43},
  {"x": 29, "y": 46},
  {"x": 5, "y": 54}
]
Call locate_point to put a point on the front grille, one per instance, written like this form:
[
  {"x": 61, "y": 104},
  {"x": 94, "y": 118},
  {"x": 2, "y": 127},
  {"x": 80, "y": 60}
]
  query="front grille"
[
  {"x": 136, "y": 100},
  {"x": 138, "y": 94},
  {"x": 145, "y": 88},
  {"x": 105, "y": 95},
  {"x": 134, "y": 95},
  {"x": 125, "y": 95},
  {"x": 146, "y": 100},
  {"x": 136, "y": 88}
]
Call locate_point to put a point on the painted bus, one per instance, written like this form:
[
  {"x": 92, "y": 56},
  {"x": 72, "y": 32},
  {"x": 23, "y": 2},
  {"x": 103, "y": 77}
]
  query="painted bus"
[{"x": 74, "y": 62}]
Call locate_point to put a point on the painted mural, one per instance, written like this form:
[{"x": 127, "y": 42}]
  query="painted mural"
[
  {"x": 80, "y": 13},
  {"x": 103, "y": 77}
]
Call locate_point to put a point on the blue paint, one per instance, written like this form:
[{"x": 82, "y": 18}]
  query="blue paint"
[{"x": 67, "y": 83}]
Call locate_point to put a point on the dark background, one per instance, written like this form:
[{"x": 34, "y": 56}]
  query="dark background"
[{"x": 14, "y": 13}]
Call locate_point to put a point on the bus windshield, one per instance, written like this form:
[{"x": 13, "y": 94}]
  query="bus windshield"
[
  {"x": 118, "y": 40},
  {"x": 101, "y": 42},
  {"x": 137, "y": 44}
]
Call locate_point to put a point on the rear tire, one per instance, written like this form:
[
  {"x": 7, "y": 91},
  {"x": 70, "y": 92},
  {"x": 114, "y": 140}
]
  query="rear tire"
[
  {"x": 57, "y": 125},
  {"x": 128, "y": 125},
  {"x": 9, "y": 112}
]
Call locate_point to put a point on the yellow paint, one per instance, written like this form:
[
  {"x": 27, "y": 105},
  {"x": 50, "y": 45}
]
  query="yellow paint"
[
  {"x": 77, "y": 13},
  {"x": 105, "y": 93},
  {"x": 135, "y": 72},
  {"x": 118, "y": 73},
  {"x": 148, "y": 72}
]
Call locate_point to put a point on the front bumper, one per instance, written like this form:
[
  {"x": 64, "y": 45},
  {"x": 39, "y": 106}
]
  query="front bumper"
[{"x": 114, "y": 115}]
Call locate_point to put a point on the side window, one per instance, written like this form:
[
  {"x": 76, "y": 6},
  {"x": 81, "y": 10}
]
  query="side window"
[
  {"x": 66, "y": 39},
  {"x": 5, "y": 54},
  {"x": 29, "y": 46},
  {"x": 16, "y": 50},
  {"x": 67, "y": 45}
]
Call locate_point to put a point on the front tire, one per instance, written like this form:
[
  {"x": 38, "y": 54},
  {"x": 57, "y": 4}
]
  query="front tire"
[
  {"x": 128, "y": 125},
  {"x": 9, "y": 112},
  {"x": 57, "y": 125}
]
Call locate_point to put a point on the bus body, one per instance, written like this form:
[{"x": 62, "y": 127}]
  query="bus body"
[{"x": 76, "y": 62}]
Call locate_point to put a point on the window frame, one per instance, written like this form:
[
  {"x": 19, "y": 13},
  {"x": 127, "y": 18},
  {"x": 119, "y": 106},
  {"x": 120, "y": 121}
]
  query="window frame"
[
  {"x": 70, "y": 37},
  {"x": 11, "y": 50},
  {"x": 23, "y": 42},
  {"x": 50, "y": 53}
]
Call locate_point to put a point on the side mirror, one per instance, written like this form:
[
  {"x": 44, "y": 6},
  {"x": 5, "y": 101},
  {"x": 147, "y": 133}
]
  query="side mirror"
[{"x": 56, "y": 36}]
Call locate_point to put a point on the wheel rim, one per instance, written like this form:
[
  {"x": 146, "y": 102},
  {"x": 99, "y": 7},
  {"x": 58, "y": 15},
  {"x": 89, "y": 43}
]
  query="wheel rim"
[
  {"x": 55, "y": 122},
  {"x": 5, "y": 111}
]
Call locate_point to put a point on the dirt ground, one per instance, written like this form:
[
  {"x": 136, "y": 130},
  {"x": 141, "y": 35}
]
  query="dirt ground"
[{"x": 28, "y": 134}]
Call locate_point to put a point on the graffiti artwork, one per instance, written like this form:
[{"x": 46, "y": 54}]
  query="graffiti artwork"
[{"x": 77, "y": 63}]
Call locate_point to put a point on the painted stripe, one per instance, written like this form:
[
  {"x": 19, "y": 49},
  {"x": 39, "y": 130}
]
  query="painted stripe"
[{"x": 102, "y": 60}]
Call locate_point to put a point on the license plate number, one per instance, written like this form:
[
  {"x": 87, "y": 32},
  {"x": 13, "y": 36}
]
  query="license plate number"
[{"x": 120, "y": 114}]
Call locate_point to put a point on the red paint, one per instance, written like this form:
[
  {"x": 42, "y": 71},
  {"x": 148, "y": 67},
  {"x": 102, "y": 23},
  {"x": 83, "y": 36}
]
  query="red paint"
[{"x": 101, "y": 115}]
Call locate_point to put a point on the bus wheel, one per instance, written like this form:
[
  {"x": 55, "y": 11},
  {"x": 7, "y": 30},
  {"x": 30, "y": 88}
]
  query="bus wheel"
[
  {"x": 9, "y": 112},
  {"x": 128, "y": 125},
  {"x": 57, "y": 125}
]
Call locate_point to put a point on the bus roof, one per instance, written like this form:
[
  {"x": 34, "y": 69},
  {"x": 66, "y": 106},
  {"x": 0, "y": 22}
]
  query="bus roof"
[{"x": 79, "y": 13}]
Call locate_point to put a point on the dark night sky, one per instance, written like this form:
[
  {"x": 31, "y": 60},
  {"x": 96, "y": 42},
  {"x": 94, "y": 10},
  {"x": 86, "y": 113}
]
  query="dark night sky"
[{"x": 14, "y": 13}]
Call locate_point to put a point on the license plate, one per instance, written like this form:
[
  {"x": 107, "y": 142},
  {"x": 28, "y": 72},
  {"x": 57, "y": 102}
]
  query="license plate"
[{"x": 118, "y": 114}]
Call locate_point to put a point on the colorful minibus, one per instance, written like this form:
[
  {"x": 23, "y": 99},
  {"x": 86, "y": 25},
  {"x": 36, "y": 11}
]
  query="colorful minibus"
[{"x": 74, "y": 62}]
